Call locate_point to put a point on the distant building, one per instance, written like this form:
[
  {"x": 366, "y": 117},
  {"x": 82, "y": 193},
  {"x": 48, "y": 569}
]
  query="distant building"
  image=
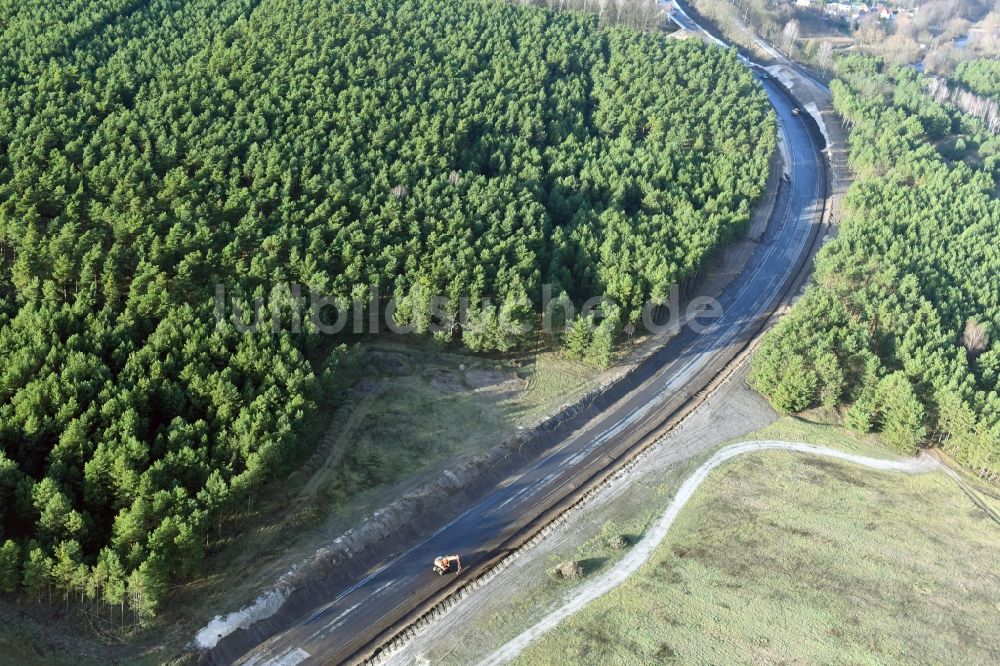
[
  {"x": 838, "y": 8},
  {"x": 883, "y": 12}
]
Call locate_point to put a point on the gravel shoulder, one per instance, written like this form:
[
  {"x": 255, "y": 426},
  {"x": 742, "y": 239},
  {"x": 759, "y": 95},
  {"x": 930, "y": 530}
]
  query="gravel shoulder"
[
  {"x": 765, "y": 565},
  {"x": 519, "y": 596}
]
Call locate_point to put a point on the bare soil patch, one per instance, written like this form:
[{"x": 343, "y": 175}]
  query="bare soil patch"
[
  {"x": 447, "y": 381},
  {"x": 387, "y": 363}
]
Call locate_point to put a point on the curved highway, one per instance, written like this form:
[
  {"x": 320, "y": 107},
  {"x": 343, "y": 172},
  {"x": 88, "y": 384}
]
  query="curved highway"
[{"x": 357, "y": 617}]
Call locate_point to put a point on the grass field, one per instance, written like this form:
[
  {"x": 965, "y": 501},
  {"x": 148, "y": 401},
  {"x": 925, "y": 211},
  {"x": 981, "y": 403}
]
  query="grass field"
[
  {"x": 782, "y": 558},
  {"x": 19, "y": 644}
]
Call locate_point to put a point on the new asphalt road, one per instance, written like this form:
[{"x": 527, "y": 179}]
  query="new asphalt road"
[{"x": 350, "y": 622}]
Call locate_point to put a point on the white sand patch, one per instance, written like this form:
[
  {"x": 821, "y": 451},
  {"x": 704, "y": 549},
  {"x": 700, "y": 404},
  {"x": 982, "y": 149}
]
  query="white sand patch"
[
  {"x": 783, "y": 74},
  {"x": 221, "y": 626},
  {"x": 814, "y": 111}
]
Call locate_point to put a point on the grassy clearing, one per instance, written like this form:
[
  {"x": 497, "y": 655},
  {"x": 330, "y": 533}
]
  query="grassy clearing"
[
  {"x": 550, "y": 381},
  {"x": 410, "y": 413},
  {"x": 19, "y": 644},
  {"x": 418, "y": 410},
  {"x": 780, "y": 558},
  {"x": 821, "y": 427}
]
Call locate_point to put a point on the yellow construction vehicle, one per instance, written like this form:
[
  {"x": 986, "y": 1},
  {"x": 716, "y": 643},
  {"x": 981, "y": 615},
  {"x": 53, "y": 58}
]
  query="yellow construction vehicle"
[{"x": 442, "y": 564}]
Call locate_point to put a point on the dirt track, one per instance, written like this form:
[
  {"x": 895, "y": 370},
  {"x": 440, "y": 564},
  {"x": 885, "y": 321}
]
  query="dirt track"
[{"x": 644, "y": 549}]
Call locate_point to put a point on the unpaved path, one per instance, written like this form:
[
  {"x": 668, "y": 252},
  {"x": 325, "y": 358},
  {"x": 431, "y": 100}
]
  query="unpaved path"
[
  {"x": 338, "y": 441},
  {"x": 638, "y": 555}
]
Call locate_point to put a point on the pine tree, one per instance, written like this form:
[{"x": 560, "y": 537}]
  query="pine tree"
[
  {"x": 37, "y": 572},
  {"x": 10, "y": 566},
  {"x": 64, "y": 572},
  {"x": 796, "y": 389},
  {"x": 832, "y": 380},
  {"x": 143, "y": 594},
  {"x": 602, "y": 344},
  {"x": 577, "y": 337},
  {"x": 115, "y": 591},
  {"x": 861, "y": 415},
  {"x": 902, "y": 421}
]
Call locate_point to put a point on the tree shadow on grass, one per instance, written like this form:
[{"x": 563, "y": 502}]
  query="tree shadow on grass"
[{"x": 592, "y": 564}]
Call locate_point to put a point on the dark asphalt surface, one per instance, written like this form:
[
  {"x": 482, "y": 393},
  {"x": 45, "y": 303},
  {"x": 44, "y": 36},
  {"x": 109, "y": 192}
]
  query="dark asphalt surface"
[{"x": 343, "y": 628}]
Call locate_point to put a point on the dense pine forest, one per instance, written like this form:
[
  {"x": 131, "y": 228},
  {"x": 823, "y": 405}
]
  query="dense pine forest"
[
  {"x": 901, "y": 325},
  {"x": 150, "y": 150},
  {"x": 980, "y": 76}
]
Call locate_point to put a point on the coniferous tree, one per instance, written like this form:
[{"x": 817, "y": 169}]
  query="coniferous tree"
[{"x": 147, "y": 155}]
